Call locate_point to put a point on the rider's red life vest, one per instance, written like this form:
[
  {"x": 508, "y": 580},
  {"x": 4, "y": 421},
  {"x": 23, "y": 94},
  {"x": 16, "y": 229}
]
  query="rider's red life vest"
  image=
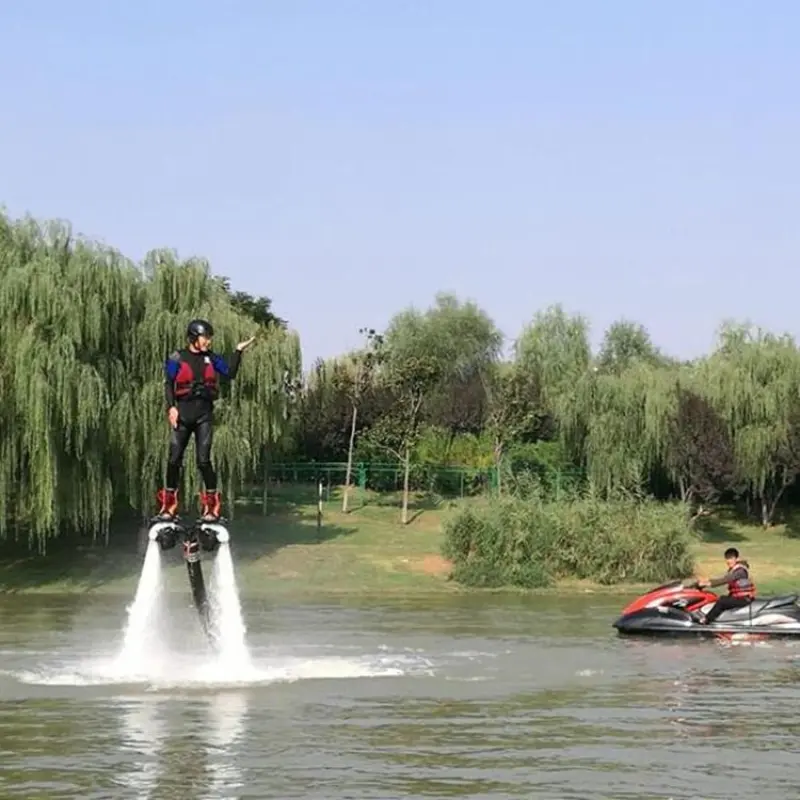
[
  {"x": 742, "y": 587},
  {"x": 188, "y": 384}
]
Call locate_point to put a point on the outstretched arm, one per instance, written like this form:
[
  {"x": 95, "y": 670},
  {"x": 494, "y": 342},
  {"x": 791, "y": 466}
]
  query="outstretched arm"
[{"x": 227, "y": 369}]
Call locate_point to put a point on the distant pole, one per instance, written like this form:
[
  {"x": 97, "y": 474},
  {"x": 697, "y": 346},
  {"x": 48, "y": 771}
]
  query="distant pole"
[{"x": 319, "y": 503}]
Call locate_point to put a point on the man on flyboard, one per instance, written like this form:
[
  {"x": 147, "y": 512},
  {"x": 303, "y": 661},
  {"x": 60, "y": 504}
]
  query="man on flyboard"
[{"x": 191, "y": 387}]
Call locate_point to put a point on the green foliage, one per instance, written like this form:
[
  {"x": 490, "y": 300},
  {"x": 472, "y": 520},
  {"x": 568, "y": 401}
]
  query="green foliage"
[
  {"x": 753, "y": 380},
  {"x": 258, "y": 309},
  {"x": 625, "y": 344},
  {"x": 436, "y": 446},
  {"x": 555, "y": 351},
  {"x": 625, "y": 420},
  {"x": 471, "y": 455},
  {"x": 527, "y": 540},
  {"x": 82, "y": 414},
  {"x": 83, "y": 431},
  {"x": 515, "y": 407},
  {"x": 548, "y": 463},
  {"x": 616, "y": 420}
]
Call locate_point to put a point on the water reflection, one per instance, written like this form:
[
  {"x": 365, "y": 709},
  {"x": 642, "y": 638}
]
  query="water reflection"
[
  {"x": 143, "y": 728},
  {"x": 180, "y": 745},
  {"x": 226, "y": 714}
]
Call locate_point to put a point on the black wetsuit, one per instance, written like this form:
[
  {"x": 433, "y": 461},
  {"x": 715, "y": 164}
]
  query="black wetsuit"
[{"x": 193, "y": 392}]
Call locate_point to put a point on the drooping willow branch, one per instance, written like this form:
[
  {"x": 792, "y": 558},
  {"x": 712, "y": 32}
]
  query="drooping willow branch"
[{"x": 82, "y": 417}]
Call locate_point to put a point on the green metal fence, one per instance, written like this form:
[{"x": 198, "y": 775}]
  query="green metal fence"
[
  {"x": 444, "y": 480},
  {"x": 388, "y": 477}
]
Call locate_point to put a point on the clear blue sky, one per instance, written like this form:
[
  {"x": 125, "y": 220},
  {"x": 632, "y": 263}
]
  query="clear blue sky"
[{"x": 346, "y": 158}]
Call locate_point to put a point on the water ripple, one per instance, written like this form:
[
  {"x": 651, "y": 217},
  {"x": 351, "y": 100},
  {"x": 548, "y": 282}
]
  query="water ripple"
[{"x": 397, "y": 701}]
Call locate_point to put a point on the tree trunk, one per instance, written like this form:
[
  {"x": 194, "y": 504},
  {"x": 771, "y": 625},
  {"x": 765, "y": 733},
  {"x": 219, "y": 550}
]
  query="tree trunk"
[
  {"x": 407, "y": 469},
  {"x": 498, "y": 459},
  {"x": 349, "y": 459},
  {"x": 768, "y": 508},
  {"x": 267, "y": 455}
]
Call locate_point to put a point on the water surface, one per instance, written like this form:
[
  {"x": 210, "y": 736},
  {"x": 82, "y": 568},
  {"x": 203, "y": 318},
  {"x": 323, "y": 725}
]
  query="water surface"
[{"x": 458, "y": 697}]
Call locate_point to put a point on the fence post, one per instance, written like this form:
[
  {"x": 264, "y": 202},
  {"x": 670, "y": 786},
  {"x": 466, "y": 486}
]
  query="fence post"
[
  {"x": 319, "y": 503},
  {"x": 362, "y": 476}
]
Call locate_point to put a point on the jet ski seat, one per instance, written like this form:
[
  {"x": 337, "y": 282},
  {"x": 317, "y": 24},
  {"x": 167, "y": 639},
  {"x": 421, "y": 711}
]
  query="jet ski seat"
[{"x": 759, "y": 606}]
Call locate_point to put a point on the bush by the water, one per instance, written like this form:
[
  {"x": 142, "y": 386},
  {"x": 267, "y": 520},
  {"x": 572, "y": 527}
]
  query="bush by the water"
[{"x": 529, "y": 541}]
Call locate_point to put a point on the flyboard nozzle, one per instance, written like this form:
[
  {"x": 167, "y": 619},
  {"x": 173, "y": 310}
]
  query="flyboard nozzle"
[
  {"x": 221, "y": 533},
  {"x": 165, "y": 533},
  {"x": 212, "y": 535},
  {"x": 156, "y": 529}
]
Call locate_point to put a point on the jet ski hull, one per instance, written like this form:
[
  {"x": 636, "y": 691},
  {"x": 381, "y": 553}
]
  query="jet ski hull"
[
  {"x": 673, "y": 622},
  {"x": 672, "y": 610}
]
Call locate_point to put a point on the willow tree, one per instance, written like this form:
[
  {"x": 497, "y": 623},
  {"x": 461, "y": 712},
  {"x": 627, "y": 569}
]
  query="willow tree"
[
  {"x": 67, "y": 310},
  {"x": 82, "y": 413},
  {"x": 554, "y": 350},
  {"x": 625, "y": 421},
  {"x": 753, "y": 380},
  {"x": 626, "y": 343},
  {"x": 251, "y": 413}
]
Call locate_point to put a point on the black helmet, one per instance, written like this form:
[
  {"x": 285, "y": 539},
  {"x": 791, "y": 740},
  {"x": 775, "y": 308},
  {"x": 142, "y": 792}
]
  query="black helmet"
[{"x": 199, "y": 327}]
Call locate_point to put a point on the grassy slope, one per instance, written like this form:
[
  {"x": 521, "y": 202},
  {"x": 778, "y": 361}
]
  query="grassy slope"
[
  {"x": 774, "y": 554},
  {"x": 364, "y": 552}
]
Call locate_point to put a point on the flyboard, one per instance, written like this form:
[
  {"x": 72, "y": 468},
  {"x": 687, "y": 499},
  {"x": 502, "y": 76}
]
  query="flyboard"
[{"x": 195, "y": 537}]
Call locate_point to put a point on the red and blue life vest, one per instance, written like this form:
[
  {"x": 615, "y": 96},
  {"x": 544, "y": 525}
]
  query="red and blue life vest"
[{"x": 189, "y": 384}]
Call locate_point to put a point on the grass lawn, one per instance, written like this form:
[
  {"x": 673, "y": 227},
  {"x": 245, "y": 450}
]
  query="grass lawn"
[
  {"x": 773, "y": 554},
  {"x": 365, "y": 552}
]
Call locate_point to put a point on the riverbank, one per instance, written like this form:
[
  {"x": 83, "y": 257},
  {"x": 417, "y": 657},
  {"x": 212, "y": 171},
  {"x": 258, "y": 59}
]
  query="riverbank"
[{"x": 364, "y": 552}]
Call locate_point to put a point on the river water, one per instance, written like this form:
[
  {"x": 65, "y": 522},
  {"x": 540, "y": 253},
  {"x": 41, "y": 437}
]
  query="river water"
[{"x": 457, "y": 697}]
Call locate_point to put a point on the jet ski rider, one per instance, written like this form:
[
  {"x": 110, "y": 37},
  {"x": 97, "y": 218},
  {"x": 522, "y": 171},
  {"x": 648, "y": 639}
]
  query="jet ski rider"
[{"x": 741, "y": 590}]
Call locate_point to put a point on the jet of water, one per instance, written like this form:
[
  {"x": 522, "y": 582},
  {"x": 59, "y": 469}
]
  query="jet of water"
[
  {"x": 142, "y": 622},
  {"x": 227, "y": 611}
]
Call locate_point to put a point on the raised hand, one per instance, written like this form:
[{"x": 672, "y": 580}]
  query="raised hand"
[{"x": 242, "y": 346}]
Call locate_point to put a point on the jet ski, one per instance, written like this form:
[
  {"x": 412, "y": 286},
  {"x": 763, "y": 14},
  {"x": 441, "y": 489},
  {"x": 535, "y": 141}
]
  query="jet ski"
[
  {"x": 205, "y": 536},
  {"x": 672, "y": 609}
]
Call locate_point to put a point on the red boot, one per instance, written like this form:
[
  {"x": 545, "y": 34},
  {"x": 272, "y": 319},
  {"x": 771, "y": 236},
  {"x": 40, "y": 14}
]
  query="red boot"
[
  {"x": 169, "y": 504},
  {"x": 211, "y": 506}
]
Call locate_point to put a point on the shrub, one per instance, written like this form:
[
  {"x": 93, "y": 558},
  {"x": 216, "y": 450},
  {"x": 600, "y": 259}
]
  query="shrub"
[{"x": 529, "y": 541}]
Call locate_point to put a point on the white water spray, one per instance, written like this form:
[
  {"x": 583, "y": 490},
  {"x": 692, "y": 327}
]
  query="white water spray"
[
  {"x": 227, "y": 611},
  {"x": 145, "y": 656},
  {"x": 142, "y": 623}
]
